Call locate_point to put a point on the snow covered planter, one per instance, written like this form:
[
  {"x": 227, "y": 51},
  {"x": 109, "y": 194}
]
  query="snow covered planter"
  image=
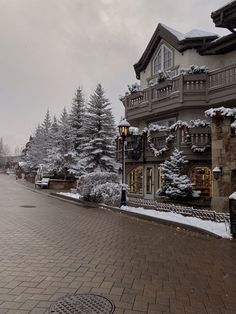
[
  {"x": 107, "y": 193},
  {"x": 221, "y": 112},
  {"x": 88, "y": 182},
  {"x": 195, "y": 69}
]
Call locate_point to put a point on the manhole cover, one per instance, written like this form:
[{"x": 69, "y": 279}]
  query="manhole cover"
[
  {"x": 82, "y": 304},
  {"x": 28, "y": 206}
]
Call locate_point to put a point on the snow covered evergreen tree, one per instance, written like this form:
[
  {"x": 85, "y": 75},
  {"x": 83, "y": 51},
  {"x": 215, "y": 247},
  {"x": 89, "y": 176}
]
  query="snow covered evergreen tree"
[
  {"x": 175, "y": 185},
  {"x": 60, "y": 156},
  {"x": 98, "y": 149},
  {"x": 2, "y": 152},
  {"x": 76, "y": 118},
  {"x": 37, "y": 151}
]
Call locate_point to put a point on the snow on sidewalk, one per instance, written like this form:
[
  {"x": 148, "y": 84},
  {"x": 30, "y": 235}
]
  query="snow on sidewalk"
[
  {"x": 214, "y": 227},
  {"x": 220, "y": 229}
]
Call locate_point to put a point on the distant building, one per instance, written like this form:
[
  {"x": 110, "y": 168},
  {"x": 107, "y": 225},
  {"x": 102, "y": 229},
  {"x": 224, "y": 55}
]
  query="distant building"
[{"x": 181, "y": 76}]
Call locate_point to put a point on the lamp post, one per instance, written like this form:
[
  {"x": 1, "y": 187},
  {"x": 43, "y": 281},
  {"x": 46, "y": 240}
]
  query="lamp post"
[{"x": 123, "y": 130}]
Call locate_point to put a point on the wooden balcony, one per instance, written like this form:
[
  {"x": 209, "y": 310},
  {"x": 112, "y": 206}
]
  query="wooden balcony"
[
  {"x": 138, "y": 148},
  {"x": 218, "y": 87}
]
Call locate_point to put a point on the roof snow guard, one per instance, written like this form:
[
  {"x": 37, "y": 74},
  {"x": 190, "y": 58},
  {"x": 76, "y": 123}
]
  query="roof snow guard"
[
  {"x": 225, "y": 16},
  {"x": 193, "y": 39}
]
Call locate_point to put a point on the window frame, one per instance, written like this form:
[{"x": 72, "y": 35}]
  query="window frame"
[{"x": 161, "y": 53}]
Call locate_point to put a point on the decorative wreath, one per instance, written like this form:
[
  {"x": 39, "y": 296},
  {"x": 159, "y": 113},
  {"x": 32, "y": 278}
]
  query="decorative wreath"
[{"x": 170, "y": 138}]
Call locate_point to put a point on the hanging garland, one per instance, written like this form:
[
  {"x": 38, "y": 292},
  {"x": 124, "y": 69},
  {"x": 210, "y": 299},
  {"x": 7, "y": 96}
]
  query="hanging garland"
[{"x": 184, "y": 126}]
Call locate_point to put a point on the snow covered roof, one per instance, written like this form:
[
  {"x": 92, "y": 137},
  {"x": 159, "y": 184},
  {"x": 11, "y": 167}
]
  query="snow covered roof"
[{"x": 194, "y": 33}]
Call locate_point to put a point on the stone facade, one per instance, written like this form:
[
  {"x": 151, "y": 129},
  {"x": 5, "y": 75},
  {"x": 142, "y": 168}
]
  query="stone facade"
[{"x": 223, "y": 155}]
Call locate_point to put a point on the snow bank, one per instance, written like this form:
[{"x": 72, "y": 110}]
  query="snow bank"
[
  {"x": 233, "y": 196},
  {"x": 217, "y": 228},
  {"x": 76, "y": 196}
]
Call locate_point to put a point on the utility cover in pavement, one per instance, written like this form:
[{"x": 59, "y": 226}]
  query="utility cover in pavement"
[
  {"x": 82, "y": 304},
  {"x": 28, "y": 206}
]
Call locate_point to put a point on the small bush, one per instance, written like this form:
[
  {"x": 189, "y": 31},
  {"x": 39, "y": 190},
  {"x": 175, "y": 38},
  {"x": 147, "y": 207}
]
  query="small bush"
[
  {"x": 89, "y": 181},
  {"x": 107, "y": 193}
]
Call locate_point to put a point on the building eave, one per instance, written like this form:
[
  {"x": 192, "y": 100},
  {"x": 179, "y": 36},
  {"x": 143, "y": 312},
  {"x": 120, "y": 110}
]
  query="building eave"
[
  {"x": 225, "y": 17},
  {"x": 223, "y": 45}
]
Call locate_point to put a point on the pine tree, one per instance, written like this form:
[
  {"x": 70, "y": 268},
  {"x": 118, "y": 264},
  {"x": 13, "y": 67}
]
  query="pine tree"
[
  {"x": 175, "y": 185},
  {"x": 37, "y": 151},
  {"x": 2, "y": 153},
  {"x": 76, "y": 118},
  {"x": 98, "y": 149},
  {"x": 60, "y": 157}
]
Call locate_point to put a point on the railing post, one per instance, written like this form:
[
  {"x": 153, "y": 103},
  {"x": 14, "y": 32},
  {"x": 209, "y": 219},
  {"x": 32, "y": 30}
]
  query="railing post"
[
  {"x": 150, "y": 99},
  {"x": 207, "y": 87},
  {"x": 181, "y": 88}
]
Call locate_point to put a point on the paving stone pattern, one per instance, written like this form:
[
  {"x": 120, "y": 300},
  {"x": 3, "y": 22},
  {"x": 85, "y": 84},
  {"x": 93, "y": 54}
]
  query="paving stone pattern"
[{"x": 57, "y": 248}]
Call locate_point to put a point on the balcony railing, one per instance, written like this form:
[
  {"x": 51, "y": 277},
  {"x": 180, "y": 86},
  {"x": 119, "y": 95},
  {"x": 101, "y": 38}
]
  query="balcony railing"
[
  {"x": 213, "y": 88},
  {"x": 197, "y": 142}
]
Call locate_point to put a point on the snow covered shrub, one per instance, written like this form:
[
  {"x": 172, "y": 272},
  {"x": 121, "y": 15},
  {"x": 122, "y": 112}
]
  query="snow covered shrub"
[
  {"x": 89, "y": 181},
  {"x": 107, "y": 193}
]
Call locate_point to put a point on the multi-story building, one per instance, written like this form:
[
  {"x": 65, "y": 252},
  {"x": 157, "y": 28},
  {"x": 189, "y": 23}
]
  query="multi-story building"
[{"x": 181, "y": 76}]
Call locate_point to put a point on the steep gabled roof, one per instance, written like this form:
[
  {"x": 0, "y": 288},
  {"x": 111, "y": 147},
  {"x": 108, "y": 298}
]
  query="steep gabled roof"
[{"x": 193, "y": 39}]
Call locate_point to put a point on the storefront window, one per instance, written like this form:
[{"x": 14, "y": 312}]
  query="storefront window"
[
  {"x": 149, "y": 173},
  {"x": 159, "y": 178},
  {"x": 135, "y": 180},
  {"x": 201, "y": 178}
]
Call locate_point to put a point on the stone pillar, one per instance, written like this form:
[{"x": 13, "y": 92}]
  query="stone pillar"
[{"x": 223, "y": 155}]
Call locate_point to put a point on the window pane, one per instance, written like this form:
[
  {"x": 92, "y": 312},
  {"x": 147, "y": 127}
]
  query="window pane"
[
  {"x": 201, "y": 178},
  {"x": 157, "y": 62},
  {"x": 167, "y": 58},
  {"x": 149, "y": 180},
  {"x": 135, "y": 180}
]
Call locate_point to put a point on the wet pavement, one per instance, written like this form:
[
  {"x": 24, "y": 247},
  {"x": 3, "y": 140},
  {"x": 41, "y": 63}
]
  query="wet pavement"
[{"x": 50, "y": 248}]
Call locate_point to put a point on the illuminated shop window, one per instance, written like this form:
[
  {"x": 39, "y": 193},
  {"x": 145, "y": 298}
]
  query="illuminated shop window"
[
  {"x": 135, "y": 180},
  {"x": 159, "y": 178},
  {"x": 201, "y": 178},
  {"x": 149, "y": 180}
]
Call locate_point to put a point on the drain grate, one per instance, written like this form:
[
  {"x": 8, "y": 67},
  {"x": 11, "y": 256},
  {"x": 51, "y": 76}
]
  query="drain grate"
[
  {"x": 28, "y": 206},
  {"x": 82, "y": 304}
]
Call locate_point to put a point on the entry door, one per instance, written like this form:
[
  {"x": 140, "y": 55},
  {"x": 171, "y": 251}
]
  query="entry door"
[{"x": 149, "y": 182}]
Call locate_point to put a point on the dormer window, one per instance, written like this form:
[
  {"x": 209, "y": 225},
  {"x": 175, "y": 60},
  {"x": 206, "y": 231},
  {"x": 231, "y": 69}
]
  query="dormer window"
[{"x": 163, "y": 59}]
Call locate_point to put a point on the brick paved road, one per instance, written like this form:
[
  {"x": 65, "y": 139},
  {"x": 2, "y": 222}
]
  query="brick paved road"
[{"x": 57, "y": 248}]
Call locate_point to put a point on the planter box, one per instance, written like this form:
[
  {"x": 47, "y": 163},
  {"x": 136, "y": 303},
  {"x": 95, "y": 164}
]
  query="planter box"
[{"x": 59, "y": 184}]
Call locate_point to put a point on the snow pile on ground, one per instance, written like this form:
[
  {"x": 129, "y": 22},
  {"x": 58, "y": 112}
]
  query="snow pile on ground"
[
  {"x": 76, "y": 196},
  {"x": 233, "y": 196},
  {"x": 217, "y": 228}
]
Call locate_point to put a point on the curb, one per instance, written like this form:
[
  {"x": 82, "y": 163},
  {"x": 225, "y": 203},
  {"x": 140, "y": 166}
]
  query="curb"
[
  {"x": 162, "y": 221},
  {"x": 73, "y": 201}
]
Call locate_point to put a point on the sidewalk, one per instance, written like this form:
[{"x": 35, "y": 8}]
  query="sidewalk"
[{"x": 50, "y": 248}]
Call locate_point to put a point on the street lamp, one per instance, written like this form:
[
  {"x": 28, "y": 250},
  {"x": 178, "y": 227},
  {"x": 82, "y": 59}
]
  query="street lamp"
[{"x": 123, "y": 130}]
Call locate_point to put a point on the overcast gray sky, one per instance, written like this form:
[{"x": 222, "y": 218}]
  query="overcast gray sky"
[{"x": 50, "y": 47}]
